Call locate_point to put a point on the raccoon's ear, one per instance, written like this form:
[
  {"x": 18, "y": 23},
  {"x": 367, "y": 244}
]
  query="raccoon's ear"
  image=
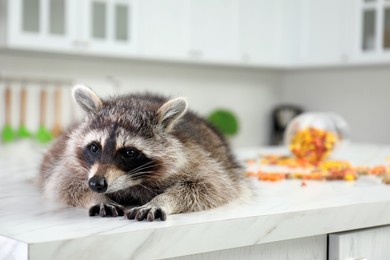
[
  {"x": 86, "y": 98},
  {"x": 170, "y": 112}
]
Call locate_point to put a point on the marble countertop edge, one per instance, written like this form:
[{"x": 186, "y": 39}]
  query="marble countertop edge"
[{"x": 178, "y": 240}]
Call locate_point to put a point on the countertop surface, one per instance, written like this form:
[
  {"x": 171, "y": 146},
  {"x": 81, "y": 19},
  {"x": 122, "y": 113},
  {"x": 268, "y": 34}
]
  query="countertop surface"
[{"x": 279, "y": 211}]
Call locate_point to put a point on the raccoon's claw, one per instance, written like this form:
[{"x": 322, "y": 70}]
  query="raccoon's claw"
[
  {"x": 146, "y": 212},
  {"x": 106, "y": 210}
]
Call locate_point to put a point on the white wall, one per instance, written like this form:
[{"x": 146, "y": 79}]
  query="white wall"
[
  {"x": 249, "y": 93},
  {"x": 361, "y": 95}
]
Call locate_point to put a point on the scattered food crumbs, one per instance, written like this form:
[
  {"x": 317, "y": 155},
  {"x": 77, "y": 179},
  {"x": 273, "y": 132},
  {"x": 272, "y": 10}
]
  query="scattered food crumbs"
[
  {"x": 378, "y": 170},
  {"x": 296, "y": 168},
  {"x": 271, "y": 176},
  {"x": 310, "y": 148}
]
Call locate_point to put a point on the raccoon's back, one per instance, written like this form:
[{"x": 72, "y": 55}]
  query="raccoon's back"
[{"x": 193, "y": 129}]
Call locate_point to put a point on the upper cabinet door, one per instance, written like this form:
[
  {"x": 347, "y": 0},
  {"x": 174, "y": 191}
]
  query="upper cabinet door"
[
  {"x": 324, "y": 32},
  {"x": 41, "y": 24},
  {"x": 372, "y": 31},
  {"x": 109, "y": 27},
  {"x": 214, "y": 30},
  {"x": 164, "y": 28},
  {"x": 260, "y": 28}
]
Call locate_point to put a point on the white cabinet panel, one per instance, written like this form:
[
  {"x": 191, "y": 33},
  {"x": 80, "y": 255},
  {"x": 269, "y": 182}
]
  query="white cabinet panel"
[
  {"x": 260, "y": 25},
  {"x": 109, "y": 27},
  {"x": 105, "y": 27},
  {"x": 164, "y": 28},
  {"x": 214, "y": 30},
  {"x": 369, "y": 244},
  {"x": 371, "y": 31},
  {"x": 324, "y": 32},
  {"x": 41, "y": 24},
  {"x": 197, "y": 30},
  {"x": 310, "y": 248}
]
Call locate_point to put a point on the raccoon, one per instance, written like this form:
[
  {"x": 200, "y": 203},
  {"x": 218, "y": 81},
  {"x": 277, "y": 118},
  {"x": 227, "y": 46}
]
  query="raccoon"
[{"x": 142, "y": 156}]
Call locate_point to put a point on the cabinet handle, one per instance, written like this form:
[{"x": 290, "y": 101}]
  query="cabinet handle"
[
  {"x": 84, "y": 44},
  {"x": 81, "y": 44},
  {"x": 344, "y": 58},
  {"x": 76, "y": 43},
  {"x": 197, "y": 54},
  {"x": 246, "y": 57}
]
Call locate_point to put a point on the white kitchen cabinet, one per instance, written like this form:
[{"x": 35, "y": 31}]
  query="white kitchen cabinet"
[
  {"x": 260, "y": 32},
  {"x": 263, "y": 33},
  {"x": 280, "y": 33},
  {"x": 371, "y": 38},
  {"x": 308, "y": 248},
  {"x": 334, "y": 32},
  {"x": 39, "y": 24},
  {"x": 324, "y": 32},
  {"x": 164, "y": 28},
  {"x": 88, "y": 26},
  {"x": 192, "y": 30},
  {"x": 109, "y": 27},
  {"x": 372, "y": 243},
  {"x": 214, "y": 31}
]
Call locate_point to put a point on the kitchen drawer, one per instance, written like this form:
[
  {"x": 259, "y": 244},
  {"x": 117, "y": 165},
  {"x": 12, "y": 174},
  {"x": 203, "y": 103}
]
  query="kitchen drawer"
[
  {"x": 370, "y": 244},
  {"x": 308, "y": 248}
]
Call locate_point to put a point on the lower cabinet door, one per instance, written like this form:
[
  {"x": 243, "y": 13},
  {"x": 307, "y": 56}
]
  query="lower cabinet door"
[
  {"x": 308, "y": 248},
  {"x": 370, "y": 244}
]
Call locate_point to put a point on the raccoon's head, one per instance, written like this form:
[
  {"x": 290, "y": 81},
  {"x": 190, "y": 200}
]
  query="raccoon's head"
[{"x": 127, "y": 140}]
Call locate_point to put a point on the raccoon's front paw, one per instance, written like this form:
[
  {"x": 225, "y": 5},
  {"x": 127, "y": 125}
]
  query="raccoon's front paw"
[
  {"x": 146, "y": 212},
  {"x": 106, "y": 210}
]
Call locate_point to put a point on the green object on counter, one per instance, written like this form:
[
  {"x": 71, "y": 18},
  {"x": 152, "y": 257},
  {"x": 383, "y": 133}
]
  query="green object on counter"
[
  {"x": 43, "y": 135},
  {"x": 7, "y": 134},
  {"x": 23, "y": 132},
  {"x": 225, "y": 121}
]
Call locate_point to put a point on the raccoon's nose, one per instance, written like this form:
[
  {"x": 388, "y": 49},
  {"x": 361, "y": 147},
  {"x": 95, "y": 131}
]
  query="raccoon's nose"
[{"x": 98, "y": 184}]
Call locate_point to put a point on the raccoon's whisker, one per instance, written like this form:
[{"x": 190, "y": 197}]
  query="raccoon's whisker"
[
  {"x": 152, "y": 191},
  {"x": 143, "y": 167},
  {"x": 134, "y": 173},
  {"x": 140, "y": 167},
  {"x": 139, "y": 174}
]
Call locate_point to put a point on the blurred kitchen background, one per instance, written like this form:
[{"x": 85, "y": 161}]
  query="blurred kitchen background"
[{"x": 247, "y": 56}]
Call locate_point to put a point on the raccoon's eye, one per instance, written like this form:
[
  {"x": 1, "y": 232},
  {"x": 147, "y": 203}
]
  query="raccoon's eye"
[
  {"x": 94, "y": 148},
  {"x": 129, "y": 153}
]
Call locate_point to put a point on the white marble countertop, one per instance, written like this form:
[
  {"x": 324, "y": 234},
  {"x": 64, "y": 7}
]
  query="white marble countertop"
[{"x": 33, "y": 226}]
